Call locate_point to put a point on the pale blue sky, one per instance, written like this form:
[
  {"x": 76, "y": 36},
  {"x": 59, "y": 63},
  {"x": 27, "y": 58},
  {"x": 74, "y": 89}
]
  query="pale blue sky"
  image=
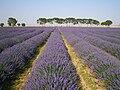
[{"x": 29, "y": 11}]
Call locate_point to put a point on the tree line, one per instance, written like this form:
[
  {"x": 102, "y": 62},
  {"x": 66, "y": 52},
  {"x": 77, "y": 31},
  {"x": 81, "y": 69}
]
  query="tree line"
[
  {"x": 67, "y": 21},
  {"x": 73, "y": 21},
  {"x": 13, "y": 22}
]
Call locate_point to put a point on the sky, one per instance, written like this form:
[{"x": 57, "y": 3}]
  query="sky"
[{"x": 28, "y": 11}]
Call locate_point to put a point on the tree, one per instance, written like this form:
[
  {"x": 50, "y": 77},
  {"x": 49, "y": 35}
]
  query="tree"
[
  {"x": 38, "y": 21},
  {"x": 70, "y": 20},
  {"x": 60, "y": 21},
  {"x": 80, "y": 21},
  {"x": 50, "y": 21},
  {"x": 23, "y": 24},
  {"x": 18, "y": 24},
  {"x": 103, "y": 23},
  {"x": 95, "y": 22},
  {"x": 75, "y": 21},
  {"x": 42, "y": 21},
  {"x": 55, "y": 20},
  {"x": 89, "y": 21},
  {"x": 1, "y": 24},
  {"x": 12, "y": 21},
  {"x": 85, "y": 21},
  {"x": 108, "y": 22}
]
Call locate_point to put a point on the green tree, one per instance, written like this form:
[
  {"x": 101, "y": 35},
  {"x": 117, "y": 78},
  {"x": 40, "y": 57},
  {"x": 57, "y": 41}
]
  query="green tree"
[
  {"x": 23, "y": 24},
  {"x": 1, "y": 24},
  {"x": 81, "y": 21},
  {"x": 42, "y": 21},
  {"x": 37, "y": 21},
  {"x": 108, "y": 22},
  {"x": 95, "y": 22},
  {"x": 18, "y": 24},
  {"x": 103, "y": 23},
  {"x": 60, "y": 21},
  {"x": 85, "y": 21},
  {"x": 75, "y": 21},
  {"x": 55, "y": 20},
  {"x": 12, "y": 21},
  {"x": 89, "y": 21},
  {"x": 70, "y": 20},
  {"x": 50, "y": 21}
]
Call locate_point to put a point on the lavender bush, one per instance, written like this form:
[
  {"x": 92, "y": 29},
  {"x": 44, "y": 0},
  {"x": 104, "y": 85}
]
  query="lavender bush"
[
  {"x": 3, "y": 32},
  {"x": 9, "y": 42},
  {"x": 103, "y": 65},
  {"x": 15, "y": 58},
  {"x": 13, "y": 34},
  {"x": 113, "y": 32},
  {"x": 110, "y": 39},
  {"x": 111, "y": 48},
  {"x": 53, "y": 70}
]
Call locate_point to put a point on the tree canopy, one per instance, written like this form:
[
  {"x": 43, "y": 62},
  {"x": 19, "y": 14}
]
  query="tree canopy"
[
  {"x": 1, "y": 24},
  {"x": 42, "y": 21},
  {"x": 70, "y": 21},
  {"x": 106, "y": 23},
  {"x": 18, "y": 24},
  {"x": 23, "y": 24},
  {"x": 12, "y": 21}
]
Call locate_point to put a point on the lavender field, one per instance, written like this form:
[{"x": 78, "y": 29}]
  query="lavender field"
[{"x": 59, "y": 58}]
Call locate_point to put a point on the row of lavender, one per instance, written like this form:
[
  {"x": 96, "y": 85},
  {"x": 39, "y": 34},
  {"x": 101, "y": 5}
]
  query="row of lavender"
[
  {"x": 13, "y": 33},
  {"x": 3, "y": 32},
  {"x": 9, "y": 32},
  {"x": 14, "y": 59},
  {"x": 53, "y": 70},
  {"x": 9, "y": 42},
  {"x": 110, "y": 32},
  {"x": 108, "y": 44},
  {"x": 103, "y": 65},
  {"x": 104, "y": 37}
]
